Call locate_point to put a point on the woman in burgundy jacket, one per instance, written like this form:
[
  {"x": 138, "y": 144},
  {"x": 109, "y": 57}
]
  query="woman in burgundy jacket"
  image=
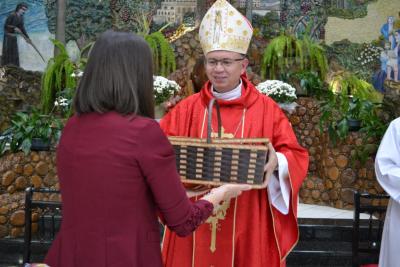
[{"x": 116, "y": 168}]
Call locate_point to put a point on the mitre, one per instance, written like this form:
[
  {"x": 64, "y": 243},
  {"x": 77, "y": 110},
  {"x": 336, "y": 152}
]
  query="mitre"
[{"x": 225, "y": 28}]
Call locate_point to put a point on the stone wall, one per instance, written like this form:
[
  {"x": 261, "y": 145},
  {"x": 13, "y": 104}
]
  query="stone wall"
[
  {"x": 19, "y": 89},
  {"x": 333, "y": 174},
  {"x": 18, "y": 171},
  {"x": 187, "y": 50}
]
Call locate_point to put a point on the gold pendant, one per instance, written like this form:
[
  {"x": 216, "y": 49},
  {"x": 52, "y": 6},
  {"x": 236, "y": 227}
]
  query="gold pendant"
[{"x": 223, "y": 134}]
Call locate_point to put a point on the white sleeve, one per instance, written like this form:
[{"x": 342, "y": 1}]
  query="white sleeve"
[
  {"x": 279, "y": 188},
  {"x": 387, "y": 161}
]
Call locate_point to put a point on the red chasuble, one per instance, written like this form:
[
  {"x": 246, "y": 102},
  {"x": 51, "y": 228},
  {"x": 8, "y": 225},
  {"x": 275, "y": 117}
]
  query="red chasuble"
[{"x": 247, "y": 231}]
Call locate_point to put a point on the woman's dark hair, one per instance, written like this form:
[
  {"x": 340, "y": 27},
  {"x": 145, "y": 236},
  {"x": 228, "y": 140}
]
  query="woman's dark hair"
[
  {"x": 118, "y": 77},
  {"x": 20, "y": 5}
]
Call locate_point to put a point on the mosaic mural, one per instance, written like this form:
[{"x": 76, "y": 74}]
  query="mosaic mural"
[{"x": 35, "y": 21}]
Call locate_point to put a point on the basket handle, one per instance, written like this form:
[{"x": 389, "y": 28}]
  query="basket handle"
[{"x": 210, "y": 108}]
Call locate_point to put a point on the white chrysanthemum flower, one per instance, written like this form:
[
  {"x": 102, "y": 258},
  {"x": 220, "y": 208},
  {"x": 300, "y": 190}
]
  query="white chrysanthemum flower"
[
  {"x": 164, "y": 88},
  {"x": 278, "y": 90}
]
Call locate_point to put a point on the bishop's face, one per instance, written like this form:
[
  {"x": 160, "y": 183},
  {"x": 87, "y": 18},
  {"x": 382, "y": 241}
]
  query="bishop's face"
[{"x": 223, "y": 69}]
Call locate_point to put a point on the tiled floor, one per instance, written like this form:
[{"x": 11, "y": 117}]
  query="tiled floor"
[{"x": 324, "y": 212}]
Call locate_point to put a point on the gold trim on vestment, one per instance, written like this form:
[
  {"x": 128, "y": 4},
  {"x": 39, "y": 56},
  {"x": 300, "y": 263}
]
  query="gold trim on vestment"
[
  {"x": 194, "y": 241},
  {"x": 234, "y": 232},
  {"x": 295, "y": 216},
  {"x": 273, "y": 224}
]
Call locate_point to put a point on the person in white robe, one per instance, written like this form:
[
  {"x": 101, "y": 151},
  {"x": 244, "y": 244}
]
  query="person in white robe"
[{"x": 387, "y": 168}]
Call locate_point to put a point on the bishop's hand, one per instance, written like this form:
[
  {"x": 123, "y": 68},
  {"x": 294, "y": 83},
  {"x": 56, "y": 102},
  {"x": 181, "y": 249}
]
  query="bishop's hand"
[{"x": 270, "y": 166}]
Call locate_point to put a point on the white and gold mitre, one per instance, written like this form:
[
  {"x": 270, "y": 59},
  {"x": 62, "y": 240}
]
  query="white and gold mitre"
[{"x": 225, "y": 28}]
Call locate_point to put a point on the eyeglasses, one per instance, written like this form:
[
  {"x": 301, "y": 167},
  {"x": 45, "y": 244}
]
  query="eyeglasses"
[{"x": 225, "y": 62}]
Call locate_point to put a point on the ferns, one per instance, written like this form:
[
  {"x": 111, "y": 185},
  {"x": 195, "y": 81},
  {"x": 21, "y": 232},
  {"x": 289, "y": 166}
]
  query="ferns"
[
  {"x": 163, "y": 55},
  {"x": 58, "y": 74},
  {"x": 56, "y": 77},
  {"x": 285, "y": 53},
  {"x": 347, "y": 83}
]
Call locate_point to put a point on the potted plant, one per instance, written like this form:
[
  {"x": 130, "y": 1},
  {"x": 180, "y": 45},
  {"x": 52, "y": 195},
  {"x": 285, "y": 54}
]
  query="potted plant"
[
  {"x": 33, "y": 131},
  {"x": 284, "y": 94},
  {"x": 288, "y": 54},
  {"x": 310, "y": 83},
  {"x": 352, "y": 98},
  {"x": 164, "y": 89}
]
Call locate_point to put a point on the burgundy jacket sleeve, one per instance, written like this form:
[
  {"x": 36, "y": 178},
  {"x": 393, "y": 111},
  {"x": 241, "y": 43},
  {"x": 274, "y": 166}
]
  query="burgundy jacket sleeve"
[{"x": 158, "y": 165}]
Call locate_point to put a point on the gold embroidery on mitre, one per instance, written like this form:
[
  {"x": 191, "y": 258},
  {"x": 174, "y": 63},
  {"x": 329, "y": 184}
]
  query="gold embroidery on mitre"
[
  {"x": 219, "y": 3},
  {"x": 223, "y": 22},
  {"x": 217, "y": 26},
  {"x": 218, "y": 214}
]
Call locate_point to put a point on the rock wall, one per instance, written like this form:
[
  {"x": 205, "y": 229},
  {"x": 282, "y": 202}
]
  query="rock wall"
[
  {"x": 18, "y": 171},
  {"x": 333, "y": 174},
  {"x": 187, "y": 50},
  {"x": 19, "y": 89}
]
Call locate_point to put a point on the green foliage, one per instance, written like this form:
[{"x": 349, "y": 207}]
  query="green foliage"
[
  {"x": 26, "y": 126},
  {"x": 136, "y": 16},
  {"x": 163, "y": 55},
  {"x": 267, "y": 26},
  {"x": 286, "y": 54},
  {"x": 189, "y": 19},
  {"x": 351, "y": 99},
  {"x": 56, "y": 77},
  {"x": 338, "y": 109},
  {"x": 348, "y": 83},
  {"x": 347, "y": 54},
  {"x": 63, "y": 103},
  {"x": 84, "y": 18},
  {"x": 132, "y": 15},
  {"x": 59, "y": 75},
  {"x": 310, "y": 83}
]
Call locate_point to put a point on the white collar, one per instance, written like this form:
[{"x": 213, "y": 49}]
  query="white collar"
[{"x": 230, "y": 95}]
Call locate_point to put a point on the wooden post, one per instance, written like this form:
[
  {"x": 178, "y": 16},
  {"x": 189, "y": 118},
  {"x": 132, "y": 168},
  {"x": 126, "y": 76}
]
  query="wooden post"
[
  {"x": 249, "y": 10},
  {"x": 60, "y": 27}
]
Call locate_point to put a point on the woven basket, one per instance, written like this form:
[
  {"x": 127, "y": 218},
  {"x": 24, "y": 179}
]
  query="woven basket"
[{"x": 218, "y": 161}]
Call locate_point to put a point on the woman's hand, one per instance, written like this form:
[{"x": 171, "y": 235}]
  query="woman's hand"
[{"x": 225, "y": 192}]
